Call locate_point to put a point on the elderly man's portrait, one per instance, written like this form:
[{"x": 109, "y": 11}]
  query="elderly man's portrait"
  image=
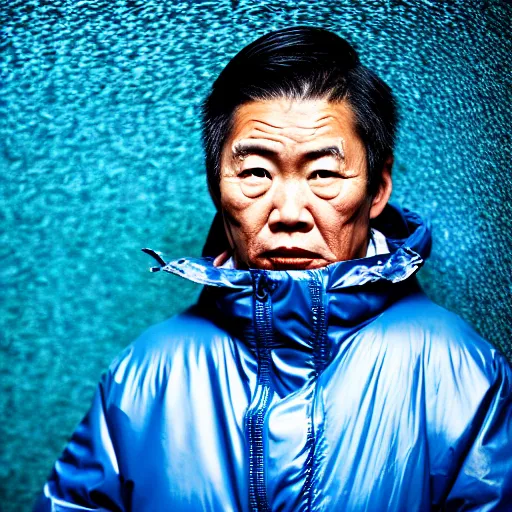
[{"x": 322, "y": 201}]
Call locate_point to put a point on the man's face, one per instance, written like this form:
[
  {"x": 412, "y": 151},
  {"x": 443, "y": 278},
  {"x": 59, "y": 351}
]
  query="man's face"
[{"x": 293, "y": 185}]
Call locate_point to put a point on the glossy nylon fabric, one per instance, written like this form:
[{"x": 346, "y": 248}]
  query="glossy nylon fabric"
[{"x": 341, "y": 388}]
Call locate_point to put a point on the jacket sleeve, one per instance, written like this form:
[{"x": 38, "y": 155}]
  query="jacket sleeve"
[
  {"x": 484, "y": 481},
  {"x": 86, "y": 477}
]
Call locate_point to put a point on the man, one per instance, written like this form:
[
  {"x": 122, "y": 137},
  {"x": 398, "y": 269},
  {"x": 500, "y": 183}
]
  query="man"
[{"x": 313, "y": 374}]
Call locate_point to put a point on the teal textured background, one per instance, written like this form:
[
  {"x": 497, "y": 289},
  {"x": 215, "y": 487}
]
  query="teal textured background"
[{"x": 100, "y": 155}]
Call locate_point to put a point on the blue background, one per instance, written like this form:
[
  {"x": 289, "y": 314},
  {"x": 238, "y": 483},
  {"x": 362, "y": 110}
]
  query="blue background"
[{"x": 100, "y": 155}]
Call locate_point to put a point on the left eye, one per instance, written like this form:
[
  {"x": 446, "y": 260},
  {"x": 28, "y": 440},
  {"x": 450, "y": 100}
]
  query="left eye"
[{"x": 323, "y": 174}]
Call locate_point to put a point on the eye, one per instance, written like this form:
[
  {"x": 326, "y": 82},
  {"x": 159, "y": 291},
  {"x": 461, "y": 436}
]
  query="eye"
[
  {"x": 323, "y": 174},
  {"x": 256, "y": 172},
  {"x": 325, "y": 184}
]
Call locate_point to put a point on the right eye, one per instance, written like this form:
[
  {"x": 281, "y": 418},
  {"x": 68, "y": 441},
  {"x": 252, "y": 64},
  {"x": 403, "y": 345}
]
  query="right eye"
[
  {"x": 254, "y": 181},
  {"x": 255, "y": 172}
]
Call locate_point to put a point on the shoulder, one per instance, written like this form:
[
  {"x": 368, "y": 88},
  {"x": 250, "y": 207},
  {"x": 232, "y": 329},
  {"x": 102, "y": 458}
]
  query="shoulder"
[
  {"x": 441, "y": 338},
  {"x": 176, "y": 344},
  {"x": 192, "y": 327},
  {"x": 415, "y": 311}
]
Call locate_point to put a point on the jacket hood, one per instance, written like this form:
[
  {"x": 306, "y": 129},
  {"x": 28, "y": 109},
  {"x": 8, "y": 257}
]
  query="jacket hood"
[{"x": 313, "y": 311}]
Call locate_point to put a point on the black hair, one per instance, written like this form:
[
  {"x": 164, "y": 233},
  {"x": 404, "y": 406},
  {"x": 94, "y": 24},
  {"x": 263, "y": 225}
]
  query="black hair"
[{"x": 301, "y": 63}]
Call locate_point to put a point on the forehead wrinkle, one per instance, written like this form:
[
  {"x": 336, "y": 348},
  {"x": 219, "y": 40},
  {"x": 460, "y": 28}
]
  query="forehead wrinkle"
[
  {"x": 285, "y": 133},
  {"x": 311, "y": 125},
  {"x": 270, "y": 125},
  {"x": 292, "y": 134}
]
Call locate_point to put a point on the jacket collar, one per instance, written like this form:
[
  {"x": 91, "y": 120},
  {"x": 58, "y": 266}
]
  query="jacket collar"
[{"x": 408, "y": 238}]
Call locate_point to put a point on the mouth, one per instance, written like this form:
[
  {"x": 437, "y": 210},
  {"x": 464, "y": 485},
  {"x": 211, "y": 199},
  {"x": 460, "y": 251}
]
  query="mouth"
[{"x": 291, "y": 258}]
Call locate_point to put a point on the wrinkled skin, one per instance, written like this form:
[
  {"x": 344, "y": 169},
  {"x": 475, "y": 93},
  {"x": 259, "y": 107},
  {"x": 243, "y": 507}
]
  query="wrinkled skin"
[{"x": 293, "y": 185}]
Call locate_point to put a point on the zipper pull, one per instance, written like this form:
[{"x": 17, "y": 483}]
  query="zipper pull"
[
  {"x": 262, "y": 287},
  {"x": 158, "y": 257}
]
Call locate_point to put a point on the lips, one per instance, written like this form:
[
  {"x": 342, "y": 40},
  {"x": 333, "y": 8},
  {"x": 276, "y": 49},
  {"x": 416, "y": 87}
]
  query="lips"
[
  {"x": 290, "y": 252},
  {"x": 291, "y": 258}
]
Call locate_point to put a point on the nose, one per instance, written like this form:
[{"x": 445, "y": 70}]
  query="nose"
[{"x": 289, "y": 208}]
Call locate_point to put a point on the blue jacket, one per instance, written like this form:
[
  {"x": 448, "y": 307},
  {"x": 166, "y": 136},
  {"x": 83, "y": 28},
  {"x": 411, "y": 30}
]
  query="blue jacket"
[{"x": 341, "y": 388}]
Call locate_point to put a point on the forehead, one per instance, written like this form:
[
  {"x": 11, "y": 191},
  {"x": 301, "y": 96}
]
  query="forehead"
[{"x": 284, "y": 122}]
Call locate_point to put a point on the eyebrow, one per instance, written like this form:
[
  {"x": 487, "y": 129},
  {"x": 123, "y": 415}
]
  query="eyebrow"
[
  {"x": 334, "y": 151},
  {"x": 244, "y": 149}
]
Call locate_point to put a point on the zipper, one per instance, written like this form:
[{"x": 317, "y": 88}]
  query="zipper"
[
  {"x": 319, "y": 342},
  {"x": 256, "y": 413},
  {"x": 319, "y": 331}
]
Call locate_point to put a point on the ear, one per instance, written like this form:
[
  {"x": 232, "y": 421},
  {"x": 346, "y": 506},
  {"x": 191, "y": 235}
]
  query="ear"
[{"x": 381, "y": 198}]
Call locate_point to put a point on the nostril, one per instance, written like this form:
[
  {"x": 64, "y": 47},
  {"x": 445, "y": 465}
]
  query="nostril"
[{"x": 290, "y": 227}]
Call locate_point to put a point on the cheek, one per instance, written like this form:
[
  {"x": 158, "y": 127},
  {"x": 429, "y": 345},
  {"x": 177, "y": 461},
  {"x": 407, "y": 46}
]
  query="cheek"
[
  {"x": 237, "y": 204},
  {"x": 337, "y": 218},
  {"x": 232, "y": 200},
  {"x": 246, "y": 216},
  {"x": 352, "y": 200}
]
